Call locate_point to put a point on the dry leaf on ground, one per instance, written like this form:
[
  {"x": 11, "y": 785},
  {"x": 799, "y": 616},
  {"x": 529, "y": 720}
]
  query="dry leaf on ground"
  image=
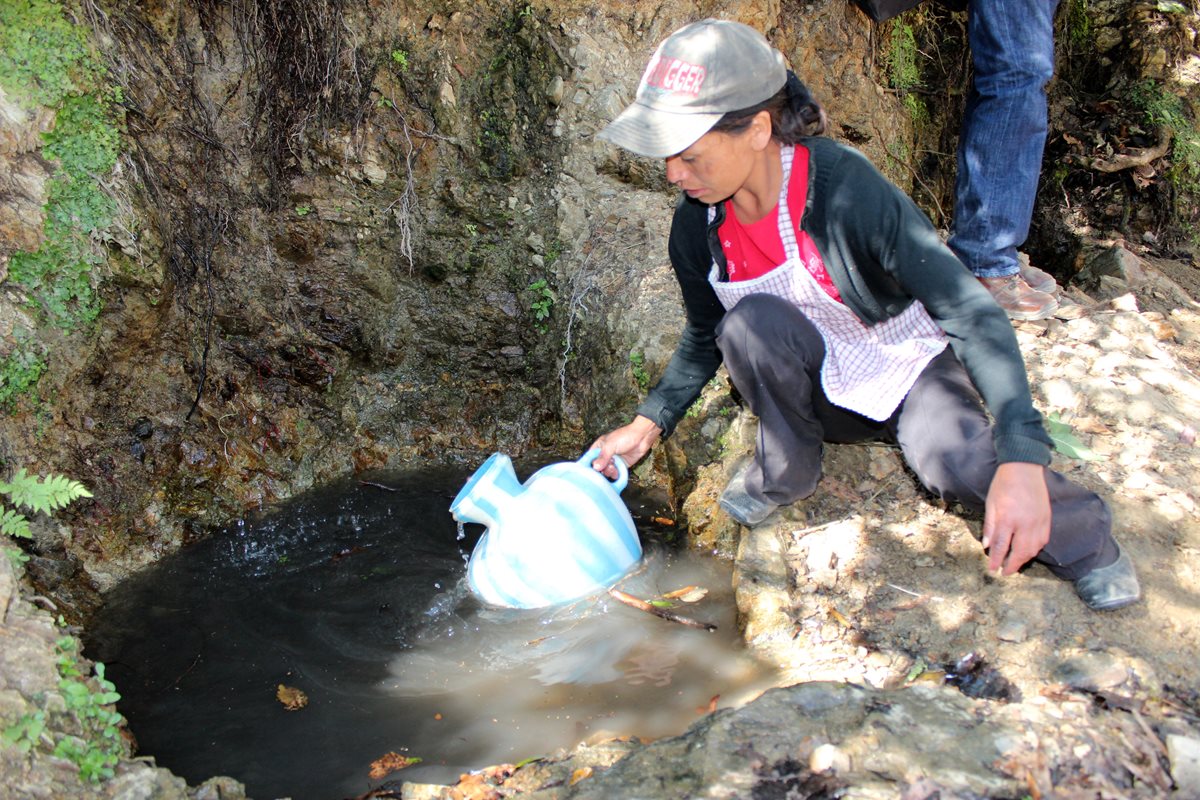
[
  {"x": 391, "y": 762},
  {"x": 292, "y": 698}
]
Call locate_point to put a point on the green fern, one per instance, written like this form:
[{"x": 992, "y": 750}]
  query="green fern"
[
  {"x": 14, "y": 524},
  {"x": 46, "y": 495},
  {"x": 37, "y": 494}
]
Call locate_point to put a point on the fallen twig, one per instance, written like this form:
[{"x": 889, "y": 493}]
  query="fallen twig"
[
  {"x": 378, "y": 486},
  {"x": 670, "y": 616},
  {"x": 917, "y": 595},
  {"x": 1134, "y": 157}
]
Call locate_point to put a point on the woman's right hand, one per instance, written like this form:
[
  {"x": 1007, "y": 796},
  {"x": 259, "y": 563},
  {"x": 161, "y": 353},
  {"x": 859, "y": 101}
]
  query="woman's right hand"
[{"x": 631, "y": 442}]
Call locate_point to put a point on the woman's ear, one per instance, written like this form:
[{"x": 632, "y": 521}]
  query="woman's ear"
[{"x": 760, "y": 130}]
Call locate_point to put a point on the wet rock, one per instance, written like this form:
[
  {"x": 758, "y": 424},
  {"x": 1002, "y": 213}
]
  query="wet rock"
[
  {"x": 220, "y": 788},
  {"x": 142, "y": 428},
  {"x": 974, "y": 677},
  {"x": 142, "y": 782},
  {"x": 875, "y": 740},
  {"x": 762, "y": 593}
]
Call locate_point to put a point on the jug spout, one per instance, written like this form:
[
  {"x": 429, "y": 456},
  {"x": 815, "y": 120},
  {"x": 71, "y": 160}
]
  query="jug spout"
[{"x": 491, "y": 487}]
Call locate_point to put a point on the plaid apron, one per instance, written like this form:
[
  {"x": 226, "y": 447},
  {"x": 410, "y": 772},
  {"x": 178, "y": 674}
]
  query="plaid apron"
[{"x": 867, "y": 369}]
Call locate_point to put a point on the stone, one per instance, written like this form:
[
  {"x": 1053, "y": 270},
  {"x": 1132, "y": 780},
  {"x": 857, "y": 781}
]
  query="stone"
[
  {"x": 8, "y": 586},
  {"x": 1107, "y": 38},
  {"x": 762, "y": 590},
  {"x": 875, "y": 740},
  {"x": 555, "y": 91},
  {"x": 1013, "y": 629},
  {"x": 373, "y": 172},
  {"x": 12, "y": 707},
  {"x": 1116, "y": 262},
  {"x": 425, "y": 791},
  {"x": 220, "y": 788},
  {"x": 1091, "y": 671},
  {"x": 144, "y": 782},
  {"x": 829, "y": 550},
  {"x": 829, "y": 757},
  {"x": 1183, "y": 753}
]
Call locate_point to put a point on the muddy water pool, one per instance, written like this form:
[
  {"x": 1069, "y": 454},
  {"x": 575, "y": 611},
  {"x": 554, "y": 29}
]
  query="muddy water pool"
[{"x": 356, "y": 597}]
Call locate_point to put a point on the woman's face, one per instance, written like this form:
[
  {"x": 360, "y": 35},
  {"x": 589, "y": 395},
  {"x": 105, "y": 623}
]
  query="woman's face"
[
  {"x": 717, "y": 165},
  {"x": 712, "y": 169}
]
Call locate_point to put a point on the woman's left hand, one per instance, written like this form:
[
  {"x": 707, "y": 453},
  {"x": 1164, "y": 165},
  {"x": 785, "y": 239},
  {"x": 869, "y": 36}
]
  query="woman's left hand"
[{"x": 1016, "y": 521}]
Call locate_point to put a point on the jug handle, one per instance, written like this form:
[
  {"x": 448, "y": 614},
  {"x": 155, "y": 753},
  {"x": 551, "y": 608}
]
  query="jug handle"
[{"x": 622, "y": 471}]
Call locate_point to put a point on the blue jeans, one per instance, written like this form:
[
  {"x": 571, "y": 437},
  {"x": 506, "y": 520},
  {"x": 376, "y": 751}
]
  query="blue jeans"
[{"x": 1003, "y": 131}]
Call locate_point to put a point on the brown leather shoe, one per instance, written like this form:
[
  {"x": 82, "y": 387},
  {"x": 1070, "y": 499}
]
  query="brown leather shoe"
[
  {"x": 1018, "y": 299},
  {"x": 1038, "y": 280}
]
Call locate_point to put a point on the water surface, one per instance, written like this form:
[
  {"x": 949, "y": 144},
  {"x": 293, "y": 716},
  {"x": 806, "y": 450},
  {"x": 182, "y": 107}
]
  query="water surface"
[{"x": 356, "y": 596}]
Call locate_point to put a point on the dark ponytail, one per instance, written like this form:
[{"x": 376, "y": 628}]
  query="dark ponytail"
[
  {"x": 794, "y": 113},
  {"x": 807, "y": 115}
]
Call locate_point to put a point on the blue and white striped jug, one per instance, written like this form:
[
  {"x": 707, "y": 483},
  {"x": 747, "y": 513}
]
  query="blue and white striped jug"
[{"x": 562, "y": 535}]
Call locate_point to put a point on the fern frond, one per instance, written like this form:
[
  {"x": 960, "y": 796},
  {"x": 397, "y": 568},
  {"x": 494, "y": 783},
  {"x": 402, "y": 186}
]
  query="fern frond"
[
  {"x": 46, "y": 495},
  {"x": 14, "y": 524}
]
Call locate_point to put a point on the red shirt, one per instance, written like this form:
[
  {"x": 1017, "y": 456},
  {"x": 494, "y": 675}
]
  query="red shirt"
[{"x": 756, "y": 249}]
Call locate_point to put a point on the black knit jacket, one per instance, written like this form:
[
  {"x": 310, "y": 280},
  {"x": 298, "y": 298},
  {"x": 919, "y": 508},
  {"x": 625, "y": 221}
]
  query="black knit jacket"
[{"x": 881, "y": 252}]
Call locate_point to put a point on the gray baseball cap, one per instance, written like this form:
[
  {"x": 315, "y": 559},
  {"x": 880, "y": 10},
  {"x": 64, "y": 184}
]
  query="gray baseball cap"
[{"x": 698, "y": 74}]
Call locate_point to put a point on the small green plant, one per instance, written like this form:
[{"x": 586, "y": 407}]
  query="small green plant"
[
  {"x": 542, "y": 304},
  {"x": 637, "y": 364},
  {"x": 38, "y": 495},
  {"x": 1078, "y": 24},
  {"x": 918, "y": 112},
  {"x": 99, "y": 749},
  {"x": 48, "y": 60},
  {"x": 26, "y": 732},
  {"x": 1164, "y": 110},
  {"x": 42, "y": 54},
  {"x": 58, "y": 275},
  {"x": 1161, "y": 108},
  {"x": 400, "y": 59},
  {"x": 554, "y": 252},
  {"x": 903, "y": 72},
  {"x": 19, "y": 370},
  {"x": 303, "y": 210},
  {"x": 89, "y": 699},
  {"x": 472, "y": 229}
]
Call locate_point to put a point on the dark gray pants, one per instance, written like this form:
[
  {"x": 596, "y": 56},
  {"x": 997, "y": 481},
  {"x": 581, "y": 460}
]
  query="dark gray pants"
[{"x": 774, "y": 354}]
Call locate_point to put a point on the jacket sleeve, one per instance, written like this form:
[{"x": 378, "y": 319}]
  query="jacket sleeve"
[
  {"x": 696, "y": 357},
  {"x": 880, "y": 227}
]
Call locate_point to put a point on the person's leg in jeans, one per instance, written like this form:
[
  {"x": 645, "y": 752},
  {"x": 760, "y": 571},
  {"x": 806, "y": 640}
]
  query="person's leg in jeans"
[
  {"x": 773, "y": 354},
  {"x": 1000, "y": 147},
  {"x": 946, "y": 438}
]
